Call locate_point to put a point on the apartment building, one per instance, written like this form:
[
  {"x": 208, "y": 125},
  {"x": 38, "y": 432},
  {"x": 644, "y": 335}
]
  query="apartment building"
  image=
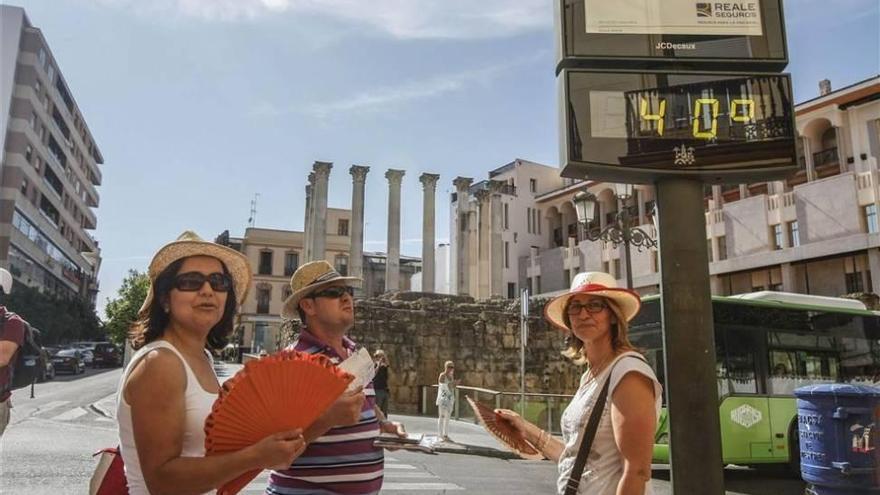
[{"x": 49, "y": 169}]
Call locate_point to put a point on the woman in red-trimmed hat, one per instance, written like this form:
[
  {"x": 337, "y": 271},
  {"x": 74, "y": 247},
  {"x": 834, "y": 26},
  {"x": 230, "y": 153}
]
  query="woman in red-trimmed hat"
[{"x": 596, "y": 313}]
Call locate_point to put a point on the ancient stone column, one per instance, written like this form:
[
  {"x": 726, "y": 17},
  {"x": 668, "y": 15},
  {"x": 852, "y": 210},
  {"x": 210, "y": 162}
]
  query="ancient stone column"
[
  {"x": 483, "y": 251},
  {"x": 392, "y": 262},
  {"x": 496, "y": 243},
  {"x": 310, "y": 219},
  {"x": 429, "y": 184},
  {"x": 319, "y": 225},
  {"x": 462, "y": 242},
  {"x": 356, "y": 254}
]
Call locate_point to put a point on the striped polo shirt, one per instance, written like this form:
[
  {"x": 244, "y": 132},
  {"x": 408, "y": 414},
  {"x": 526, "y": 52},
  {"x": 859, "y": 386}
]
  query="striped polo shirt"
[{"x": 343, "y": 461}]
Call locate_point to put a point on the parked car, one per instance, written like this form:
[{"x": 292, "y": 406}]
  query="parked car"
[
  {"x": 88, "y": 357},
  {"x": 69, "y": 360},
  {"x": 106, "y": 354},
  {"x": 47, "y": 368}
]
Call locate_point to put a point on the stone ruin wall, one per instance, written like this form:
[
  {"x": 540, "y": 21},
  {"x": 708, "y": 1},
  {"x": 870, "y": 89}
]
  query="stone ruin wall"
[{"x": 420, "y": 331}]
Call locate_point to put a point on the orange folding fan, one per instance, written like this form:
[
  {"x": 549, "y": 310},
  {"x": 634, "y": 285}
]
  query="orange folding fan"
[
  {"x": 503, "y": 431},
  {"x": 283, "y": 391}
]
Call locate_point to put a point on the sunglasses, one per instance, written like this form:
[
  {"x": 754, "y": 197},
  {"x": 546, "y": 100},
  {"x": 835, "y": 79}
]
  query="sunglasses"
[
  {"x": 592, "y": 307},
  {"x": 193, "y": 281},
  {"x": 333, "y": 292}
]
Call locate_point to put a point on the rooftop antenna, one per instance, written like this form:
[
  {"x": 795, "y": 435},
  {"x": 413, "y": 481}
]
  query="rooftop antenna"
[{"x": 253, "y": 218}]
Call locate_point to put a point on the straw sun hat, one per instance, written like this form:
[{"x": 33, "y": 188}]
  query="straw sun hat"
[
  {"x": 595, "y": 284},
  {"x": 190, "y": 244},
  {"x": 309, "y": 278}
]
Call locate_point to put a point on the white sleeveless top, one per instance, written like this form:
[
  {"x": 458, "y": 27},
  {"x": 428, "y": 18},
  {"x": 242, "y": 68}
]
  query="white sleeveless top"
[
  {"x": 198, "y": 406},
  {"x": 605, "y": 464}
]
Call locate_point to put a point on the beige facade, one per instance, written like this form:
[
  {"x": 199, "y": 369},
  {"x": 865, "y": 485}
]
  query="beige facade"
[
  {"x": 49, "y": 169},
  {"x": 815, "y": 233}
]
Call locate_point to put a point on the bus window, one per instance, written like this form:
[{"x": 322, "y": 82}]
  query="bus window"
[{"x": 736, "y": 370}]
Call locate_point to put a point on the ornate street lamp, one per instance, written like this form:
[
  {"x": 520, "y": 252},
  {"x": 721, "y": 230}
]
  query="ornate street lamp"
[{"x": 617, "y": 232}]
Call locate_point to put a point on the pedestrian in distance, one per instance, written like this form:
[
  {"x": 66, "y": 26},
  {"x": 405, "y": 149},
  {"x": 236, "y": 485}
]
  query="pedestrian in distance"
[
  {"x": 12, "y": 337},
  {"x": 169, "y": 386},
  {"x": 596, "y": 313},
  {"x": 341, "y": 457},
  {"x": 380, "y": 381},
  {"x": 446, "y": 384}
]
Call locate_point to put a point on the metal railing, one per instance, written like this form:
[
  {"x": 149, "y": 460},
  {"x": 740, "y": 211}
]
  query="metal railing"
[
  {"x": 825, "y": 157},
  {"x": 544, "y": 410}
]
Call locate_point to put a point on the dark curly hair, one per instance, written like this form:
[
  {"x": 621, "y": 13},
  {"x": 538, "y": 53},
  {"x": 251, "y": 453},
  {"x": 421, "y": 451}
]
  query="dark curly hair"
[{"x": 152, "y": 325}]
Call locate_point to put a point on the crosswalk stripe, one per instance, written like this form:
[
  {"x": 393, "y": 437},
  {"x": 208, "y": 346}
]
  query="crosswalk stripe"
[
  {"x": 52, "y": 405},
  {"x": 399, "y": 466},
  {"x": 409, "y": 475},
  {"x": 71, "y": 414},
  {"x": 419, "y": 486}
]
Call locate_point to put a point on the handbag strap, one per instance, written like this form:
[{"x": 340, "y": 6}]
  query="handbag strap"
[{"x": 589, "y": 433}]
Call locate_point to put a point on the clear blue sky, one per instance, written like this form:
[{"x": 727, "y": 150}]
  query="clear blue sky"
[{"x": 199, "y": 104}]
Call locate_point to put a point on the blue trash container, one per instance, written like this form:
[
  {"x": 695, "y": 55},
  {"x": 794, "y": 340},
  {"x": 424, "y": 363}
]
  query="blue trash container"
[{"x": 839, "y": 438}]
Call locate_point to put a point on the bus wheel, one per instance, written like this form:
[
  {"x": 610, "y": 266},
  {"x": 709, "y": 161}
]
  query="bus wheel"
[{"x": 794, "y": 451}]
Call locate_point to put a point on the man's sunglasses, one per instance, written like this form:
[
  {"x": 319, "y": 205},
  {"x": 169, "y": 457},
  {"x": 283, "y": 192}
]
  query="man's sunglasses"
[
  {"x": 333, "y": 292},
  {"x": 193, "y": 281}
]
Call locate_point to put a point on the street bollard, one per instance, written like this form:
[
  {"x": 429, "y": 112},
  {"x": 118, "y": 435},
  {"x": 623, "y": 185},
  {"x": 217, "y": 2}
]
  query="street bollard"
[{"x": 839, "y": 440}]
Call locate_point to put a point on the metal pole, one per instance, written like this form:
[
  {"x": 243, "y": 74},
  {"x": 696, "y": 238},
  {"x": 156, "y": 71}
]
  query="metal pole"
[
  {"x": 689, "y": 340},
  {"x": 628, "y": 261}
]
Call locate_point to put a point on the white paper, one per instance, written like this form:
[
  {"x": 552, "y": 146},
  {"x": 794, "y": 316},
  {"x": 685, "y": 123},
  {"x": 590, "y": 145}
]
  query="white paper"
[
  {"x": 674, "y": 17},
  {"x": 359, "y": 364}
]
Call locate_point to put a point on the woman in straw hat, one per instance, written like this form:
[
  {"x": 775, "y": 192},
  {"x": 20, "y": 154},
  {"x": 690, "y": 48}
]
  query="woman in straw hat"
[
  {"x": 169, "y": 387},
  {"x": 595, "y": 313}
]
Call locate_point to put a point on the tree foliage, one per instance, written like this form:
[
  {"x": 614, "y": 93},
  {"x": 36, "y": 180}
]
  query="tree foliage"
[
  {"x": 58, "y": 320},
  {"x": 122, "y": 311}
]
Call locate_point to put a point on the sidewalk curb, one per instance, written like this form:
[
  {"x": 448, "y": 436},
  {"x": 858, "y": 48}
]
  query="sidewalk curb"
[
  {"x": 480, "y": 451},
  {"x": 100, "y": 409}
]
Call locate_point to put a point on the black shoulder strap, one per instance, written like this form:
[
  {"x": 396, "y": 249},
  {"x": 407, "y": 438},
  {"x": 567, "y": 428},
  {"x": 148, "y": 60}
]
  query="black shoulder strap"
[{"x": 589, "y": 433}]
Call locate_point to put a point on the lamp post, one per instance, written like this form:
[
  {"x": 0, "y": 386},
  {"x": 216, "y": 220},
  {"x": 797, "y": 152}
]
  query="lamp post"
[{"x": 619, "y": 231}]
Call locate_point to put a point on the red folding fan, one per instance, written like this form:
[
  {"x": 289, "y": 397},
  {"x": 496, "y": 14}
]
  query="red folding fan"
[
  {"x": 503, "y": 431},
  {"x": 283, "y": 391}
]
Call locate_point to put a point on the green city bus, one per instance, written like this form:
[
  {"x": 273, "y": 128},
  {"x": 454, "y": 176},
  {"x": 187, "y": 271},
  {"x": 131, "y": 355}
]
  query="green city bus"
[{"x": 767, "y": 344}]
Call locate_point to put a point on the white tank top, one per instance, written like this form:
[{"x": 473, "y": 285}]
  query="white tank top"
[
  {"x": 198, "y": 406},
  {"x": 604, "y": 464}
]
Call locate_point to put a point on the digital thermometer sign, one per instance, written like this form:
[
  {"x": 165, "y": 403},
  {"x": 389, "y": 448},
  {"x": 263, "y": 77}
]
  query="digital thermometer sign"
[{"x": 647, "y": 124}]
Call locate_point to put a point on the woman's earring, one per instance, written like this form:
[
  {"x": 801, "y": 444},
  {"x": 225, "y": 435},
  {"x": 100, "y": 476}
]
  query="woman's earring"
[{"x": 166, "y": 308}]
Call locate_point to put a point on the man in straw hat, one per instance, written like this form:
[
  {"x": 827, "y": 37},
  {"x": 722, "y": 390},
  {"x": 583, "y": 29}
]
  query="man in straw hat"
[{"x": 340, "y": 457}]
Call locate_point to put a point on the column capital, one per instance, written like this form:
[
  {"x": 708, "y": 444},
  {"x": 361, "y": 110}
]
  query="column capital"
[
  {"x": 483, "y": 195},
  {"x": 312, "y": 178},
  {"x": 495, "y": 186},
  {"x": 358, "y": 173},
  {"x": 462, "y": 183},
  {"x": 429, "y": 181},
  {"x": 322, "y": 169},
  {"x": 394, "y": 176}
]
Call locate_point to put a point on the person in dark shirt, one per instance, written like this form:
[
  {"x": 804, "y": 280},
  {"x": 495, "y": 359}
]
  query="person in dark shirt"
[
  {"x": 11, "y": 339},
  {"x": 380, "y": 381}
]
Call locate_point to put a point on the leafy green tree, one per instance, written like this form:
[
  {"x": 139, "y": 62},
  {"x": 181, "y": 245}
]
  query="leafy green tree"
[
  {"x": 122, "y": 311},
  {"x": 59, "y": 320}
]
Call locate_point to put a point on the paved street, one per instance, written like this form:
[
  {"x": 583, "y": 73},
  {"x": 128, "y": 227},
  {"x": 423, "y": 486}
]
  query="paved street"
[{"x": 58, "y": 430}]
